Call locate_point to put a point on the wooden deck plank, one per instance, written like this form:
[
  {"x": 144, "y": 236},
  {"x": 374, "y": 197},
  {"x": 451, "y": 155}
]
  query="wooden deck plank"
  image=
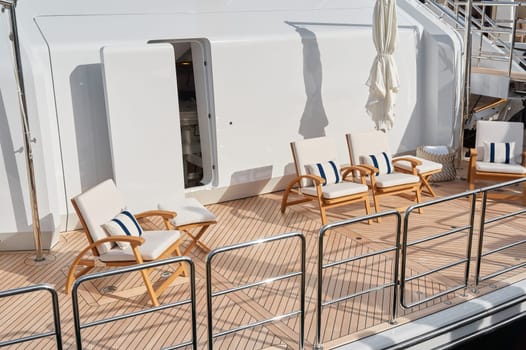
[{"x": 249, "y": 219}]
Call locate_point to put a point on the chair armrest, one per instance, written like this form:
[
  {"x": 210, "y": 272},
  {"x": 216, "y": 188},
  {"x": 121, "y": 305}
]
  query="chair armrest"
[
  {"x": 345, "y": 171},
  {"x": 369, "y": 169},
  {"x": 165, "y": 214},
  {"x": 318, "y": 180},
  {"x": 133, "y": 240},
  {"x": 414, "y": 162}
]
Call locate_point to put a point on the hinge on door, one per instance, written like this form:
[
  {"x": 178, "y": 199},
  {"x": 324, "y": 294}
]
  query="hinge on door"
[
  {"x": 204, "y": 63},
  {"x": 209, "y": 116}
]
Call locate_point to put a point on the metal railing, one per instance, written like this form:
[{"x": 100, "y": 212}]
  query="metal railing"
[
  {"x": 493, "y": 31},
  {"x": 397, "y": 278},
  {"x": 465, "y": 260},
  {"x": 133, "y": 268},
  {"x": 301, "y": 289},
  {"x": 56, "y": 314},
  {"x": 484, "y": 222},
  {"x": 322, "y": 266}
]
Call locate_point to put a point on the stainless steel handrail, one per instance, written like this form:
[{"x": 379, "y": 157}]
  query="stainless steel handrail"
[
  {"x": 322, "y": 266},
  {"x": 56, "y": 314},
  {"x": 483, "y": 222},
  {"x": 455, "y": 11},
  {"x": 466, "y": 260},
  {"x": 133, "y": 268},
  {"x": 210, "y": 294}
]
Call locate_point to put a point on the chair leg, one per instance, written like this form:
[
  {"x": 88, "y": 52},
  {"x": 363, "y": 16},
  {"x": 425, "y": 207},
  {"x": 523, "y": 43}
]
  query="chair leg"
[
  {"x": 180, "y": 271},
  {"x": 323, "y": 215},
  {"x": 184, "y": 273},
  {"x": 79, "y": 261},
  {"x": 149, "y": 288},
  {"x": 72, "y": 276},
  {"x": 284, "y": 200},
  {"x": 367, "y": 207},
  {"x": 426, "y": 186},
  {"x": 376, "y": 206},
  {"x": 145, "y": 273},
  {"x": 418, "y": 199},
  {"x": 195, "y": 240},
  {"x": 471, "y": 183}
]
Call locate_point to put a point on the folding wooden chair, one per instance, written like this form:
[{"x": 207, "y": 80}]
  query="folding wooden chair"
[
  {"x": 319, "y": 177},
  {"x": 116, "y": 239}
]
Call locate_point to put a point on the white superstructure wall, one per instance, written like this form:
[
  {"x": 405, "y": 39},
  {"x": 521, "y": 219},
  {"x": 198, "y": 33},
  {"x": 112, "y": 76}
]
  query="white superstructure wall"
[{"x": 275, "y": 76}]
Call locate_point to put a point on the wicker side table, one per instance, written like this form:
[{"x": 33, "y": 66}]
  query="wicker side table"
[{"x": 448, "y": 172}]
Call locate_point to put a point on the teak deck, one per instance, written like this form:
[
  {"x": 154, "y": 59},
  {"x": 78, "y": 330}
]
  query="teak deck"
[{"x": 250, "y": 219}]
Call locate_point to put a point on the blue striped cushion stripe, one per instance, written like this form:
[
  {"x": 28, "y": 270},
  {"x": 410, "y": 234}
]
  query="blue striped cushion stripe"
[
  {"x": 492, "y": 152},
  {"x": 387, "y": 162},
  {"x": 500, "y": 152},
  {"x": 375, "y": 163},
  {"x": 123, "y": 226},
  {"x": 336, "y": 171},
  {"x": 328, "y": 171},
  {"x": 382, "y": 162},
  {"x": 322, "y": 172}
]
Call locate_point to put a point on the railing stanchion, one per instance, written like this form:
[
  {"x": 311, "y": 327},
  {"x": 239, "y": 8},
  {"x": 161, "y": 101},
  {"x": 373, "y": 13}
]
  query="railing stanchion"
[
  {"x": 321, "y": 267},
  {"x": 55, "y": 308},
  {"x": 132, "y": 268},
  {"x": 211, "y": 293}
]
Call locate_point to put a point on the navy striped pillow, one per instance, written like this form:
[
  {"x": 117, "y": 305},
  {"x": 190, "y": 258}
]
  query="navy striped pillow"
[
  {"x": 499, "y": 152},
  {"x": 329, "y": 171},
  {"x": 123, "y": 224},
  {"x": 381, "y": 161}
]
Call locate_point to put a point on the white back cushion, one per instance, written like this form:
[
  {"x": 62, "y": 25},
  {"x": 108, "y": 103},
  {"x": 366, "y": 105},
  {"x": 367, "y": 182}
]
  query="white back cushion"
[
  {"x": 97, "y": 206},
  {"x": 312, "y": 151},
  {"x": 498, "y": 131}
]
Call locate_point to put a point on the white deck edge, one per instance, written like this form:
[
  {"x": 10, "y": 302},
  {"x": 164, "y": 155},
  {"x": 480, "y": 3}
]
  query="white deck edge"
[{"x": 445, "y": 318}]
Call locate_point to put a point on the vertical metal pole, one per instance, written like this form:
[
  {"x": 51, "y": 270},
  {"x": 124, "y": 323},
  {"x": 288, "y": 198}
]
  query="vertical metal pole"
[
  {"x": 318, "y": 345},
  {"x": 27, "y": 133},
  {"x": 302, "y": 294},
  {"x": 209, "y": 297},
  {"x": 467, "y": 76},
  {"x": 396, "y": 274},
  {"x": 481, "y": 238},
  {"x": 470, "y": 241},
  {"x": 512, "y": 41}
]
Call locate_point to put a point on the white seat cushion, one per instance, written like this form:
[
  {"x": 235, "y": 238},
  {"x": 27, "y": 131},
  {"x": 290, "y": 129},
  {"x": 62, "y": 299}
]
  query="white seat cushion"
[
  {"x": 425, "y": 167},
  {"x": 336, "y": 190},
  {"x": 395, "y": 179},
  {"x": 155, "y": 243},
  {"x": 501, "y": 168},
  {"x": 189, "y": 211}
]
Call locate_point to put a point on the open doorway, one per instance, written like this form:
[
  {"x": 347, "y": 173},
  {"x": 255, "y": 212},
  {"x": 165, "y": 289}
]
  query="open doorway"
[{"x": 195, "y": 112}]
